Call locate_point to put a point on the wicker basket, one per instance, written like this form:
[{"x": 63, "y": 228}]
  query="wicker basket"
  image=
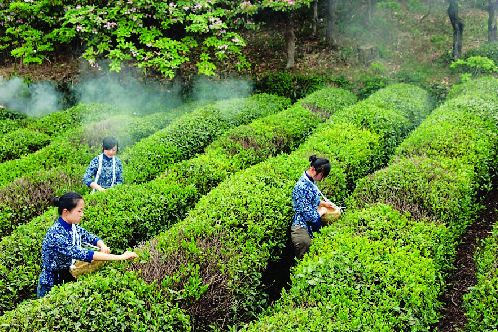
[
  {"x": 331, "y": 215},
  {"x": 79, "y": 268}
]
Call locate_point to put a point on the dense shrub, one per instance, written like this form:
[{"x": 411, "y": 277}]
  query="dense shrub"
[
  {"x": 190, "y": 134},
  {"x": 137, "y": 212},
  {"x": 381, "y": 269},
  {"x": 29, "y": 196},
  {"x": 38, "y": 131},
  {"x": 59, "y": 122},
  {"x": 484, "y": 88},
  {"x": 217, "y": 255},
  {"x": 80, "y": 144},
  {"x": 290, "y": 85},
  {"x": 349, "y": 280},
  {"x": 488, "y": 50},
  {"x": 252, "y": 206},
  {"x": 10, "y": 114},
  {"x": 21, "y": 142},
  {"x": 126, "y": 303},
  {"x": 481, "y": 303},
  {"x": 8, "y": 125}
]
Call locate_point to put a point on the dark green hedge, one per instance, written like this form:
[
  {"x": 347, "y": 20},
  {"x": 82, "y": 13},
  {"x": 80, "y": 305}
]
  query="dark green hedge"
[
  {"x": 21, "y": 142},
  {"x": 382, "y": 267},
  {"x": 217, "y": 255},
  {"x": 29, "y": 196},
  {"x": 136, "y": 211},
  {"x": 126, "y": 303},
  {"x": 190, "y": 134}
]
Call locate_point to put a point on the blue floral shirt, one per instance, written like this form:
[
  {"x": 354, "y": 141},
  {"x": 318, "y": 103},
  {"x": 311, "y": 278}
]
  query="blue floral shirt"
[
  {"x": 105, "y": 179},
  {"x": 58, "y": 250},
  {"x": 305, "y": 201}
]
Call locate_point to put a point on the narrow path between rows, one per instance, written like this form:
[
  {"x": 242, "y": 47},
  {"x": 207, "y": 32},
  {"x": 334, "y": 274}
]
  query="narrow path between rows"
[{"x": 464, "y": 275}]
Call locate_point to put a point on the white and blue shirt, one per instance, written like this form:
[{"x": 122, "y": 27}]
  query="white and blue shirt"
[
  {"x": 59, "y": 249},
  {"x": 305, "y": 201},
  {"x": 107, "y": 177}
]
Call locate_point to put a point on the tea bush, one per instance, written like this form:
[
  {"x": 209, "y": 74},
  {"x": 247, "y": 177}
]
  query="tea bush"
[
  {"x": 29, "y": 196},
  {"x": 140, "y": 307},
  {"x": 481, "y": 302},
  {"x": 383, "y": 266},
  {"x": 488, "y": 50},
  {"x": 219, "y": 253},
  {"x": 190, "y": 134},
  {"x": 80, "y": 144},
  {"x": 137, "y": 213},
  {"x": 6, "y": 114},
  {"x": 8, "y": 125},
  {"x": 21, "y": 142}
]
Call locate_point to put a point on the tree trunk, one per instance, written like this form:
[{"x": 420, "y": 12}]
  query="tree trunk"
[
  {"x": 290, "y": 41},
  {"x": 330, "y": 36},
  {"x": 457, "y": 25},
  {"x": 371, "y": 10},
  {"x": 315, "y": 18},
  {"x": 431, "y": 2},
  {"x": 492, "y": 22}
]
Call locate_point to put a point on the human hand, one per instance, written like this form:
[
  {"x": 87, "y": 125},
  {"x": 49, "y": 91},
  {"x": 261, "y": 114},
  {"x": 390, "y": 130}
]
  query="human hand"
[
  {"x": 327, "y": 204},
  {"x": 103, "y": 248},
  {"x": 322, "y": 210},
  {"x": 129, "y": 255}
]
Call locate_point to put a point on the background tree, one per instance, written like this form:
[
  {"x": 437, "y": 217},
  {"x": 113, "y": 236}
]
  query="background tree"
[
  {"x": 331, "y": 21},
  {"x": 371, "y": 9},
  {"x": 315, "y": 18},
  {"x": 289, "y": 8},
  {"x": 457, "y": 24},
  {"x": 492, "y": 21}
]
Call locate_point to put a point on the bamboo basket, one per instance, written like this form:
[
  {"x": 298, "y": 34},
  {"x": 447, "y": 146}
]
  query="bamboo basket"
[{"x": 331, "y": 215}]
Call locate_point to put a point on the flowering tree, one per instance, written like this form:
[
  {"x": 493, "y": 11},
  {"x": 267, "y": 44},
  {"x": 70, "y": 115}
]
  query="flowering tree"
[{"x": 153, "y": 34}]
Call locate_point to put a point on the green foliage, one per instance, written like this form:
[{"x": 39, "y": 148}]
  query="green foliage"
[
  {"x": 290, "y": 85},
  {"x": 191, "y": 133},
  {"x": 481, "y": 303},
  {"x": 153, "y": 35},
  {"x": 350, "y": 275},
  {"x": 474, "y": 66},
  {"x": 8, "y": 125},
  {"x": 134, "y": 304},
  {"x": 237, "y": 229},
  {"x": 377, "y": 268},
  {"x": 21, "y": 142},
  {"x": 488, "y": 50},
  {"x": 129, "y": 214},
  {"x": 368, "y": 84},
  {"x": 29, "y": 196},
  {"x": 483, "y": 87},
  {"x": 10, "y": 115},
  {"x": 64, "y": 148}
]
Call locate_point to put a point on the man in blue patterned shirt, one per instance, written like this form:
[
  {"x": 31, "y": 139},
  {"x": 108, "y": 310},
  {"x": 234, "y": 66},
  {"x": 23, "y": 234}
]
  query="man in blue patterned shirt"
[
  {"x": 307, "y": 205},
  {"x": 105, "y": 170},
  {"x": 63, "y": 244}
]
